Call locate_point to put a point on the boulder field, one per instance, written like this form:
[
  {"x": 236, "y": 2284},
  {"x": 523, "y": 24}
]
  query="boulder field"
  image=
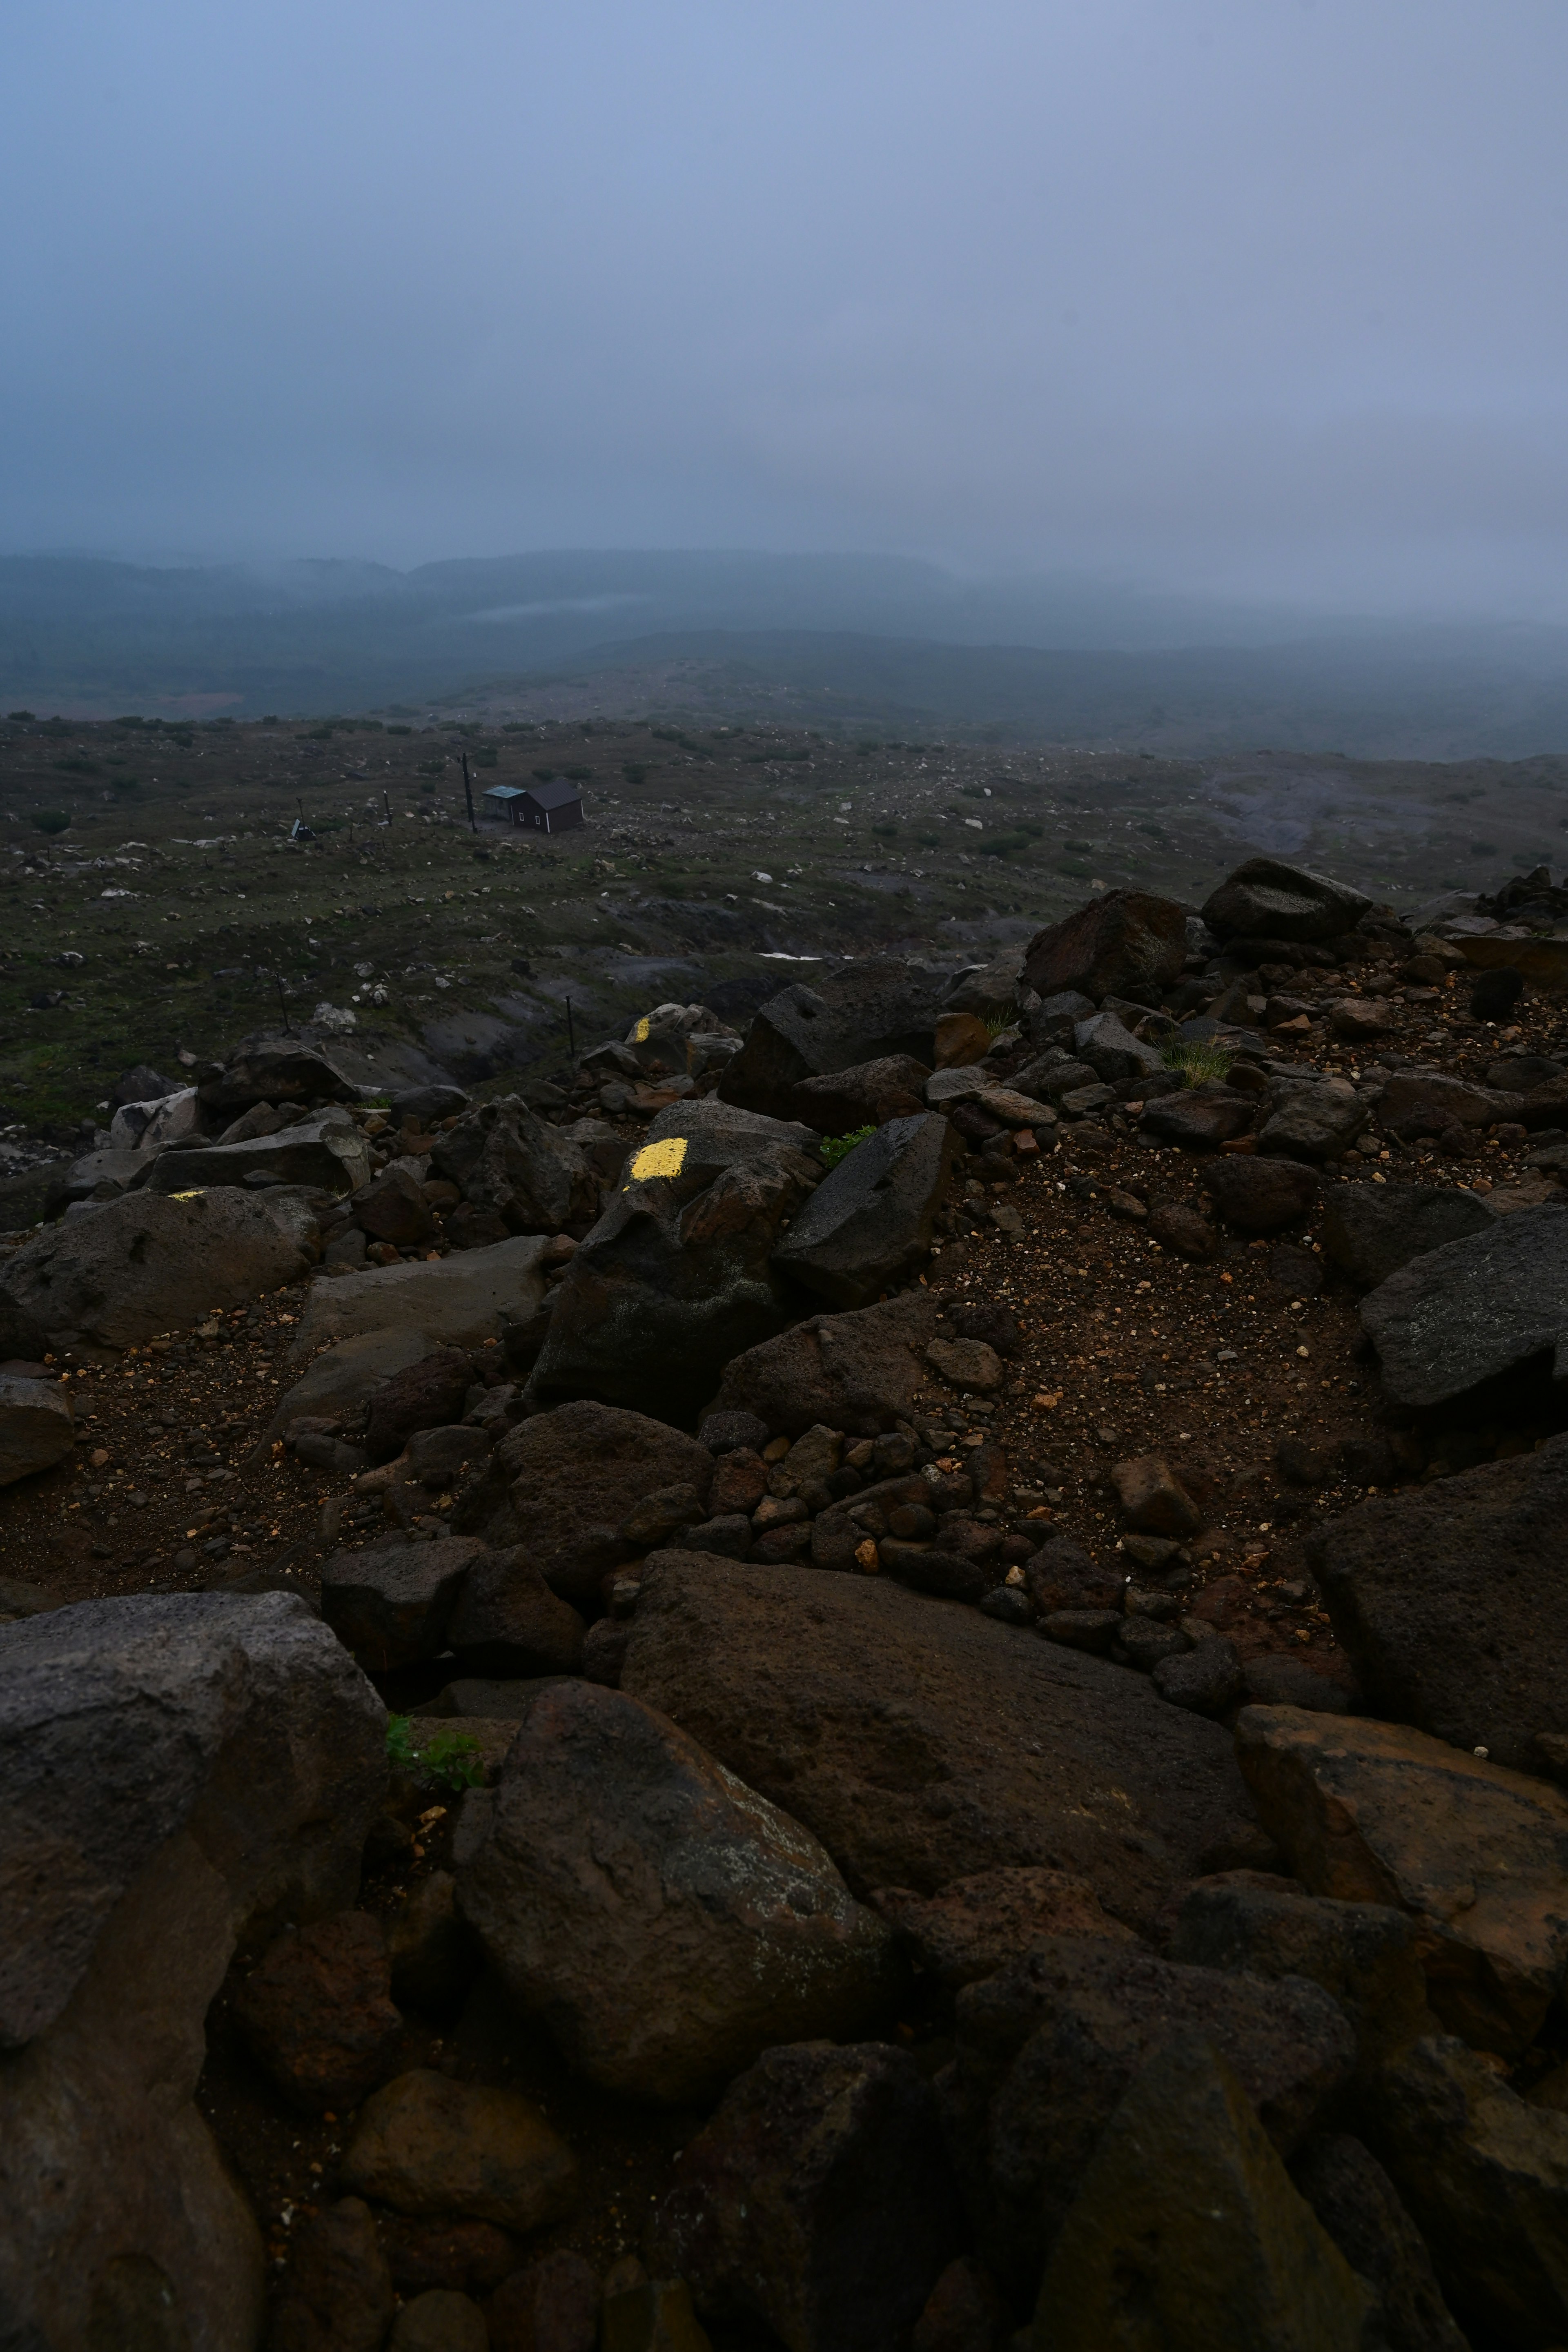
[{"x": 789, "y": 1793}]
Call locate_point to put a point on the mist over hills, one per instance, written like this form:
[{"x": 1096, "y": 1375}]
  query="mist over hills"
[{"x": 856, "y": 641}]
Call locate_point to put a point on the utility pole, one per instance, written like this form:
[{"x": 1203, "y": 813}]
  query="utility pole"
[{"x": 468, "y": 796}]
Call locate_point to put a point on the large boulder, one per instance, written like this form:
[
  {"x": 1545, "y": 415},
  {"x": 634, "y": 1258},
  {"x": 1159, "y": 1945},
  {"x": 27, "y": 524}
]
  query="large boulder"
[
  {"x": 862, "y": 1372},
  {"x": 989, "y": 990},
  {"x": 1490, "y": 1304},
  {"x": 1045, "y": 2050},
  {"x": 1485, "y": 2174},
  {"x": 503, "y": 1157},
  {"x": 1267, "y": 898},
  {"x": 153, "y": 1126},
  {"x": 1200, "y": 1118},
  {"x": 1370, "y": 1231},
  {"x": 869, "y": 1224},
  {"x": 1360, "y": 2208},
  {"x": 1186, "y": 2231},
  {"x": 273, "y": 1070},
  {"x": 818, "y": 2200},
  {"x": 866, "y": 1096},
  {"x": 181, "y": 1771},
  {"x": 676, "y": 1277},
  {"x": 1115, "y": 1055},
  {"x": 708, "y": 1926},
  {"x": 871, "y": 1007},
  {"x": 1259, "y": 1196},
  {"x": 459, "y": 1301},
  {"x": 330, "y": 1153},
  {"x": 923, "y": 1741},
  {"x": 1424, "y": 1102},
  {"x": 1314, "y": 1122},
  {"x": 140, "y": 1266},
  {"x": 1127, "y": 943},
  {"x": 38, "y": 1427},
  {"x": 1451, "y": 1602},
  {"x": 1371, "y": 1812},
  {"x": 344, "y": 1375},
  {"x": 565, "y": 1484},
  {"x": 390, "y": 1603}
]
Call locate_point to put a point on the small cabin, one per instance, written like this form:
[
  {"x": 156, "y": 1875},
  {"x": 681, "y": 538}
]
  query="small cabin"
[{"x": 555, "y": 807}]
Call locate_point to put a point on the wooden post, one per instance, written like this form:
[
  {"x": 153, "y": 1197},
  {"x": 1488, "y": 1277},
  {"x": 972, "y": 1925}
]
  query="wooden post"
[{"x": 468, "y": 796}]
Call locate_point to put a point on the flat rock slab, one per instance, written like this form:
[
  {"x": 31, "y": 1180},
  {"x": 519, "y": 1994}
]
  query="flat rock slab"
[
  {"x": 344, "y": 1376},
  {"x": 1372, "y": 1812},
  {"x": 1474, "y": 1309},
  {"x": 862, "y": 1372},
  {"x": 332, "y": 1153},
  {"x": 37, "y": 1428},
  {"x": 921, "y": 1741},
  {"x": 390, "y": 1604},
  {"x": 868, "y": 1223},
  {"x": 454, "y": 1301},
  {"x": 1452, "y": 1602},
  {"x": 1370, "y": 1231}
]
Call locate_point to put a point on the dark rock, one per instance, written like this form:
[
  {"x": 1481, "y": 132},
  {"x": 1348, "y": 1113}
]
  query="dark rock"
[
  {"x": 1303, "y": 1465},
  {"x": 604, "y": 1651},
  {"x": 1207, "y": 1678},
  {"x": 1372, "y": 1812},
  {"x": 140, "y": 1085},
  {"x": 563, "y": 1484},
  {"x": 1520, "y": 1073},
  {"x": 1277, "y": 1680},
  {"x": 506, "y": 1620},
  {"x": 1424, "y": 1102},
  {"x": 713, "y": 1926},
  {"x": 869, "y": 1224},
  {"x": 1053, "y": 1021},
  {"x": 1315, "y": 1122},
  {"x": 428, "y": 1394},
  {"x": 1495, "y": 992},
  {"x": 1187, "y": 2234},
  {"x": 733, "y": 1433},
  {"x": 394, "y": 1208},
  {"x": 984, "y": 1319},
  {"x": 976, "y": 1926},
  {"x": 1370, "y": 1231},
  {"x": 468, "y": 1228},
  {"x": 868, "y": 1009},
  {"x": 1153, "y": 1498},
  {"x": 1484, "y": 2176},
  {"x": 936, "y": 1570},
  {"x": 1452, "y": 1602},
  {"x": 867, "y": 1095},
  {"x": 316, "y": 2012},
  {"x": 1267, "y": 897},
  {"x": 180, "y": 1769},
  {"x": 818, "y": 2199},
  {"x": 436, "y": 1457},
  {"x": 338, "y": 2295},
  {"x": 1046, "y": 2049},
  {"x": 1061, "y": 1575},
  {"x": 1474, "y": 1309},
  {"x": 676, "y": 1277},
  {"x": 37, "y": 1428},
  {"x": 1259, "y": 1196},
  {"x": 1358, "y": 2206},
  {"x": 861, "y": 1372},
  {"x": 552, "y": 2305},
  {"x": 1145, "y": 1644},
  {"x": 922, "y": 1746},
  {"x": 1175, "y": 1225},
  {"x": 1369, "y": 1462},
  {"x": 962, "y": 2312},
  {"x": 1122, "y": 944},
  {"x": 1365, "y": 1953},
  {"x": 662, "y": 1514},
  {"x": 390, "y": 1605},
  {"x": 422, "y": 1106},
  {"x": 426, "y": 2144},
  {"x": 1199, "y": 1119},
  {"x": 327, "y": 1154},
  {"x": 504, "y": 1159},
  {"x": 439, "y": 2321},
  {"x": 435, "y": 1958},
  {"x": 472, "y": 2256},
  {"x": 273, "y": 1070},
  {"x": 654, "y": 2315},
  {"x": 1094, "y": 1630},
  {"x": 729, "y": 1538}
]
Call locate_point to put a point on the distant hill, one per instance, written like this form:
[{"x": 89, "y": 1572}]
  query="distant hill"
[{"x": 879, "y": 642}]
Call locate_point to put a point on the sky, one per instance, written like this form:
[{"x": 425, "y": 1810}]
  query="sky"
[{"x": 1250, "y": 297}]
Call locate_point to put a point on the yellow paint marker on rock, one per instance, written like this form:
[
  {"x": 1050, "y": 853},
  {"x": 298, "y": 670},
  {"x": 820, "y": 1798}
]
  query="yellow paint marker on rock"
[
  {"x": 666, "y": 1158},
  {"x": 639, "y": 1034}
]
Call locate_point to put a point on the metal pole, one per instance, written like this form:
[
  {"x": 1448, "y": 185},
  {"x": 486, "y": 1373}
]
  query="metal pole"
[
  {"x": 468, "y": 796},
  {"x": 283, "y": 1004},
  {"x": 571, "y": 1034},
  {"x": 386, "y": 804}
]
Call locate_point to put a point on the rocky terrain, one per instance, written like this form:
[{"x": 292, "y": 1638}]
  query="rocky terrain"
[{"x": 878, "y": 1668}]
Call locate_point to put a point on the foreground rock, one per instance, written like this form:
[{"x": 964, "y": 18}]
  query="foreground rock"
[
  {"x": 459, "y": 1301},
  {"x": 1370, "y": 1231},
  {"x": 1126, "y": 943},
  {"x": 1045, "y": 2049},
  {"x": 867, "y": 1095},
  {"x": 707, "y": 1925},
  {"x": 1360, "y": 2208},
  {"x": 1452, "y": 1604},
  {"x": 140, "y": 1266},
  {"x": 1266, "y": 899},
  {"x": 869, "y": 1224},
  {"x": 503, "y": 1157},
  {"x": 869, "y": 1009},
  {"x": 1474, "y": 1310},
  {"x": 1371, "y": 1812},
  {"x": 181, "y": 1771},
  {"x": 818, "y": 2199},
  {"x": 38, "y": 1427},
  {"x": 1187, "y": 2233},
  {"x": 330, "y": 1153},
  {"x": 921, "y": 1741},
  {"x": 862, "y": 1372}
]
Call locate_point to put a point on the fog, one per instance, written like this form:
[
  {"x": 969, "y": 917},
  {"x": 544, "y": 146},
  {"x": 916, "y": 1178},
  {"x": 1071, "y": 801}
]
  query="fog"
[{"x": 1256, "y": 299}]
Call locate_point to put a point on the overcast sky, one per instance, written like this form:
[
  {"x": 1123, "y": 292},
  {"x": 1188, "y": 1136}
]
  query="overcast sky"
[{"x": 1255, "y": 295}]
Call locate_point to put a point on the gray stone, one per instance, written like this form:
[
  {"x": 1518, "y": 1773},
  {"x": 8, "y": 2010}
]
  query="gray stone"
[
  {"x": 152, "y": 1125},
  {"x": 274, "y": 1070},
  {"x": 1473, "y": 1309},
  {"x": 1122, "y": 944},
  {"x": 390, "y": 1604},
  {"x": 869, "y": 1007},
  {"x": 866, "y": 1096},
  {"x": 869, "y": 1224},
  {"x": 1112, "y": 1053},
  {"x": 1370, "y": 1231},
  {"x": 1452, "y": 1602},
  {"x": 989, "y": 990},
  {"x": 1422, "y": 1102},
  {"x": 862, "y": 1372},
  {"x": 455, "y": 1301},
  {"x": 329, "y": 1152},
  {"x": 422, "y": 1106},
  {"x": 1207, "y": 1678},
  {"x": 1052, "y": 1022},
  {"x": 1315, "y": 1122},
  {"x": 1187, "y": 2234},
  {"x": 921, "y": 1742},
  {"x": 710, "y": 1926},
  {"x": 37, "y": 1428},
  {"x": 1267, "y": 898},
  {"x": 142, "y": 1266},
  {"x": 181, "y": 1771},
  {"x": 506, "y": 1620},
  {"x": 502, "y": 1157},
  {"x": 1358, "y": 2207}
]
